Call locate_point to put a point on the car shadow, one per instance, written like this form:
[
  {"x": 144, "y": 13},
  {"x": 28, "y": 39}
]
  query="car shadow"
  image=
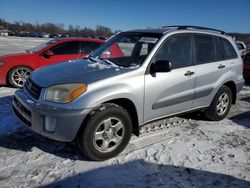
[
  {"x": 139, "y": 173},
  {"x": 196, "y": 115},
  {"x": 246, "y": 99},
  {"x": 14, "y": 135},
  {"x": 242, "y": 119}
]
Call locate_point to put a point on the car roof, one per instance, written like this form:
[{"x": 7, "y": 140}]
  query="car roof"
[
  {"x": 78, "y": 39},
  {"x": 165, "y": 29},
  {"x": 149, "y": 30}
]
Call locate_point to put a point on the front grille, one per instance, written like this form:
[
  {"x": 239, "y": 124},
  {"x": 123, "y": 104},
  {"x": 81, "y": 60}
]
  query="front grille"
[
  {"x": 22, "y": 112},
  {"x": 32, "y": 88}
]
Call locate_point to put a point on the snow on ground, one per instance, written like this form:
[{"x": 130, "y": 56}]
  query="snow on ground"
[
  {"x": 18, "y": 44},
  {"x": 193, "y": 153}
]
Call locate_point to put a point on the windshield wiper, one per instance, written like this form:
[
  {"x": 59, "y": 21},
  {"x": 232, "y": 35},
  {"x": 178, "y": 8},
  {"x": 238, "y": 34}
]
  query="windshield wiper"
[
  {"x": 91, "y": 58},
  {"x": 109, "y": 62},
  {"x": 96, "y": 59}
]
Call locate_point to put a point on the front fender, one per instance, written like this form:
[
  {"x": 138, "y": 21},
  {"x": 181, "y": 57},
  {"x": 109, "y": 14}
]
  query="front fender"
[{"x": 98, "y": 94}]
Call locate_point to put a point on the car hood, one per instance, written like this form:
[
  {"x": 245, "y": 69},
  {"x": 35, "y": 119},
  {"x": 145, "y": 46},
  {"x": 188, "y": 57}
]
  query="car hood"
[
  {"x": 75, "y": 71},
  {"x": 15, "y": 55}
]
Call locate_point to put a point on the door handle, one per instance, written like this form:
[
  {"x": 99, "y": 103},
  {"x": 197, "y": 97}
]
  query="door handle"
[
  {"x": 221, "y": 66},
  {"x": 189, "y": 73}
]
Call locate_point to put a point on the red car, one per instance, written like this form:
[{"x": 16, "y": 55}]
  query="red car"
[
  {"x": 15, "y": 68},
  {"x": 246, "y": 68}
]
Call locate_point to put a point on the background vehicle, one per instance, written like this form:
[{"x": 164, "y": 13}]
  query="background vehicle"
[
  {"x": 16, "y": 68},
  {"x": 248, "y": 46},
  {"x": 246, "y": 68},
  {"x": 104, "y": 98},
  {"x": 242, "y": 47}
]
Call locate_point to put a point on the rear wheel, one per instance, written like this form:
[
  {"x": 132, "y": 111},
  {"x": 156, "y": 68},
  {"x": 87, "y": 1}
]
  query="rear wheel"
[
  {"x": 106, "y": 133},
  {"x": 18, "y": 76},
  {"x": 220, "y": 105}
]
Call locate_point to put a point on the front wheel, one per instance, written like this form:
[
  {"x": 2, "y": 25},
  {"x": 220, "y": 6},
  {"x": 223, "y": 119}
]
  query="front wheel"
[
  {"x": 220, "y": 105},
  {"x": 106, "y": 133},
  {"x": 18, "y": 76}
]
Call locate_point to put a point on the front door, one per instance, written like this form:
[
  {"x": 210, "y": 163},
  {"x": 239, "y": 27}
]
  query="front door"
[{"x": 171, "y": 92}]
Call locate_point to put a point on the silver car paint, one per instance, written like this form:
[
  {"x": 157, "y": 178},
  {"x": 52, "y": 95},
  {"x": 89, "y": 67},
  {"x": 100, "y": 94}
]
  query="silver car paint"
[{"x": 152, "y": 101}]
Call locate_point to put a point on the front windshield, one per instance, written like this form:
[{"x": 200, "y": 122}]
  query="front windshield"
[
  {"x": 127, "y": 49},
  {"x": 41, "y": 46}
]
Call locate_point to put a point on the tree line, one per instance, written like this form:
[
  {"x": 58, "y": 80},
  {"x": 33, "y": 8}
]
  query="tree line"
[
  {"x": 76, "y": 30},
  {"x": 241, "y": 36},
  {"x": 58, "y": 28}
]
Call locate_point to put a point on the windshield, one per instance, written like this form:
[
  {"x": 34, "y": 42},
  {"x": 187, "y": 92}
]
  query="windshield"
[
  {"x": 41, "y": 46},
  {"x": 127, "y": 49}
]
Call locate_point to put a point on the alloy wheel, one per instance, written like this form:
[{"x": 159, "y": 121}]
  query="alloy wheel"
[
  {"x": 19, "y": 76},
  {"x": 108, "y": 135},
  {"x": 222, "y": 104}
]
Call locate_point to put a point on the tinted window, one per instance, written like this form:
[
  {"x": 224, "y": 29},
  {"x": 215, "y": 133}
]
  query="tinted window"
[
  {"x": 205, "y": 50},
  {"x": 219, "y": 50},
  {"x": 66, "y": 48},
  {"x": 87, "y": 47},
  {"x": 177, "y": 50}
]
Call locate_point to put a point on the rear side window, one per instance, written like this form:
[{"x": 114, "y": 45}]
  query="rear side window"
[
  {"x": 205, "y": 49},
  {"x": 87, "y": 47},
  {"x": 219, "y": 50},
  {"x": 66, "y": 48},
  {"x": 229, "y": 50}
]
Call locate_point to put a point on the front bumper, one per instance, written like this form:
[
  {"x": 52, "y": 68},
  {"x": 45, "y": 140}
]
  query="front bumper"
[{"x": 32, "y": 114}]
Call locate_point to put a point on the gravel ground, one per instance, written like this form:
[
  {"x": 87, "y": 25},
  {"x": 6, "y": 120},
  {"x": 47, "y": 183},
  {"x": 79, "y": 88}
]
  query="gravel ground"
[{"x": 187, "y": 151}]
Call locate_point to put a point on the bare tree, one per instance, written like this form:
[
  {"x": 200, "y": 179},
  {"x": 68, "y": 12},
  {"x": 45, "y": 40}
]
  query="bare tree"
[{"x": 55, "y": 28}]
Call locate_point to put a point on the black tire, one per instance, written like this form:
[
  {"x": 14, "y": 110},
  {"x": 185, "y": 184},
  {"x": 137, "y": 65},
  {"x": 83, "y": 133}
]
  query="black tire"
[
  {"x": 12, "y": 76},
  {"x": 86, "y": 138},
  {"x": 212, "y": 112}
]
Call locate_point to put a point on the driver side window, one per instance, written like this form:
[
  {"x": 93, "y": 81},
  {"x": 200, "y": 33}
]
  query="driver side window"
[
  {"x": 177, "y": 50},
  {"x": 66, "y": 48}
]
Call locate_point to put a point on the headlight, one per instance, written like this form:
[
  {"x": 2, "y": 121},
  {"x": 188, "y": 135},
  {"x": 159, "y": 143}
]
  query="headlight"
[
  {"x": 1, "y": 63},
  {"x": 65, "y": 93}
]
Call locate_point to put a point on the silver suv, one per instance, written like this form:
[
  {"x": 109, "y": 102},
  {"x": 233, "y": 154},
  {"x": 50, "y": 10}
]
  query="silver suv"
[{"x": 136, "y": 77}]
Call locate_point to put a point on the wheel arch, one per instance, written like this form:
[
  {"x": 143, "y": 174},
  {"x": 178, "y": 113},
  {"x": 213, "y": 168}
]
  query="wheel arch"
[
  {"x": 232, "y": 87},
  {"x": 131, "y": 109},
  {"x": 125, "y": 103}
]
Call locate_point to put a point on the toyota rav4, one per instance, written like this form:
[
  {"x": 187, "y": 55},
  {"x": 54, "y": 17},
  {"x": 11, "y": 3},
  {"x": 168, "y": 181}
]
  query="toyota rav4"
[{"x": 101, "y": 100}]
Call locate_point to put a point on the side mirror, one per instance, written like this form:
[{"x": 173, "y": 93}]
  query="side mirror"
[
  {"x": 161, "y": 66},
  {"x": 48, "y": 53}
]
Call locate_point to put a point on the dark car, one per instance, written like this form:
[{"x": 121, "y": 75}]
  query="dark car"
[{"x": 246, "y": 68}]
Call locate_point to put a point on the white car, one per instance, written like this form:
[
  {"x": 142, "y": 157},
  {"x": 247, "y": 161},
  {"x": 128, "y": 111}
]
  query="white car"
[{"x": 242, "y": 47}]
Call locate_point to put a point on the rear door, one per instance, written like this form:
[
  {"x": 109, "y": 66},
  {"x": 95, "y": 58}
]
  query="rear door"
[
  {"x": 171, "y": 92},
  {"x": 210, "y": 68}
]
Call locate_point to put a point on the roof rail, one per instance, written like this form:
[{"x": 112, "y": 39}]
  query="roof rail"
[{"x": 195, "y": 27}]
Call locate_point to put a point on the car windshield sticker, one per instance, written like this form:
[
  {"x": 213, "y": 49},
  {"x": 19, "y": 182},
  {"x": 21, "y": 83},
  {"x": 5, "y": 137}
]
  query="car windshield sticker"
[{"x": 148, "y": 40}]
